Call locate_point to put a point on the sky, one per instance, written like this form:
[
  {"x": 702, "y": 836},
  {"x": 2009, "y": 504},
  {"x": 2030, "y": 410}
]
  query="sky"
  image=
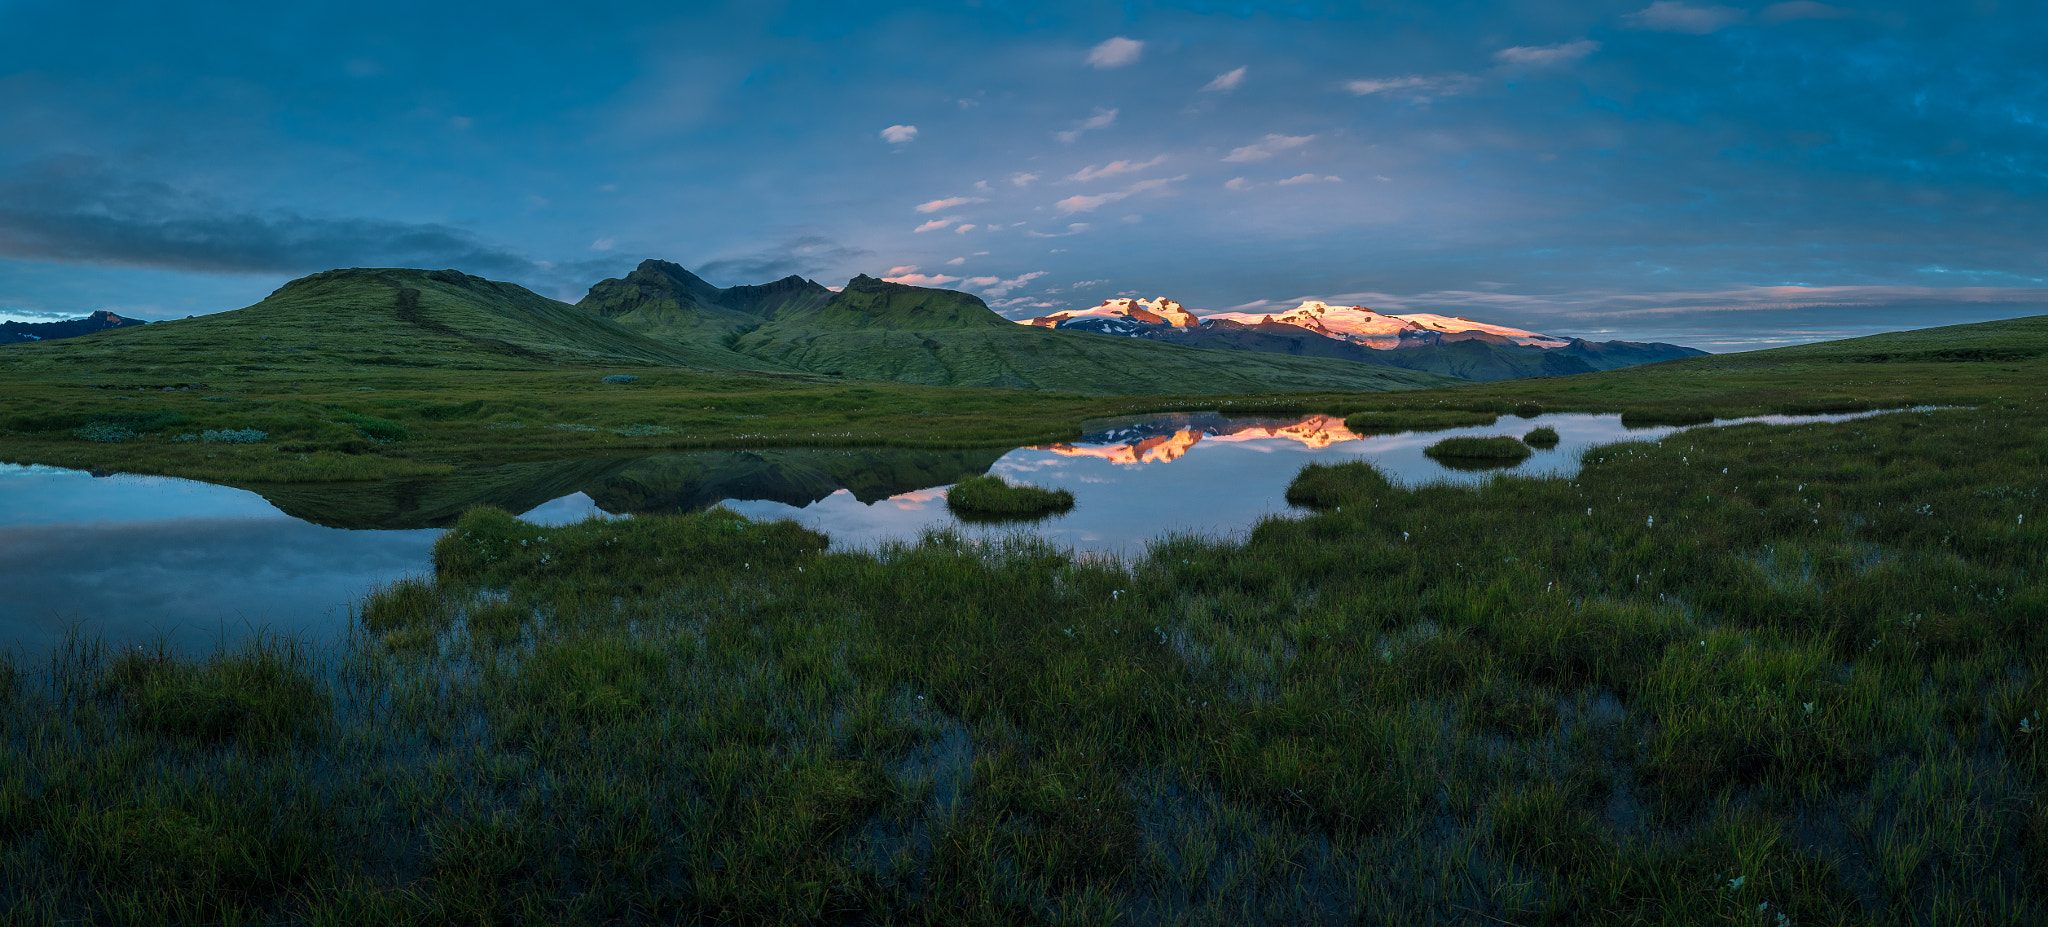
[{"x": 1725, "y": 176}]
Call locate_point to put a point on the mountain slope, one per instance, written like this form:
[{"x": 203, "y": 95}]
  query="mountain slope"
[{"x": 389, "y": 317}]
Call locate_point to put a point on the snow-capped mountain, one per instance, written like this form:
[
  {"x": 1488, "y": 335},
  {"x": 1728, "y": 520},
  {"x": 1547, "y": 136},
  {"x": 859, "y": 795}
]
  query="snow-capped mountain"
[
  {"x": 1450, "y": 345},
  {"x": 1356, "y": 324},
  {"x": 1161, "y": 311}
]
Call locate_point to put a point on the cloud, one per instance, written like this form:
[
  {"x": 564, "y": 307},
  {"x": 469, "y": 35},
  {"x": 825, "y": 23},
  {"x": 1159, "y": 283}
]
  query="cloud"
[
  {"x": 803, "y": 256},
  {"x": 964, "y": 229},
  {"x": 1086, "y": 284},
  {"x": 1309, "y": 178},
  {"x": 1801, "y": 9},
  {"x": 949, "y": 203},
  {"x": 1073, "y": 228},
  {"x": 998, "y": 287},
  {"x": 1267, "y": 147},
  {"x": 900, "y": 270},
  {"x": 1113, "y": 168},
  {"x": 1237, "y": 183},
  {"x": 899, "y": 135},
  {"x": 1675, "y": 16},
  {"x": 1547, "y": 56},
  {"x": 921, "y": 279},
  {"x": 603, "y": 244},
  {"x": 1022, "y": 179},
  {"x": 1116, "y": 53},
  {"x": 937, "y": 224},
  {"x": 1415, "y": 86},
  {"x": 956, "y": 261},
  {"x": 1103, "y": 118},
  {"x": 1225, "y": 82},
  {"x": 1074, "y": 204},
  {"x": 78, "y": 210}
]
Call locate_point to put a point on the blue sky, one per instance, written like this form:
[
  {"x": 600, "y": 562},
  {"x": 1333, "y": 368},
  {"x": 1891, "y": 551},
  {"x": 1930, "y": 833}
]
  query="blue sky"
[{"x": 1720, "y": 175}]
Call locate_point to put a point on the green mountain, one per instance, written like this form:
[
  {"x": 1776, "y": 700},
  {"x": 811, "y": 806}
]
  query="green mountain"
[
  {"x": 387, "y": 317},
  {"x": 665, "y": 301},
  {"x": 878, "y": 330}
]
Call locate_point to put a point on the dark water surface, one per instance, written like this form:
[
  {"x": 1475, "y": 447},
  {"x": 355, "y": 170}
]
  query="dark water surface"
[{"x": 134, "y": 557}]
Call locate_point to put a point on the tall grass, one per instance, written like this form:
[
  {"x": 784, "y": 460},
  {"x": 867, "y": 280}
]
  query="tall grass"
[{"x": 1738, "y": 674}]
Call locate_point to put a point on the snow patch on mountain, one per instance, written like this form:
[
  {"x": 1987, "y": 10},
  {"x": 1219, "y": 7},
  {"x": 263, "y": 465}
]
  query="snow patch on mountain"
[
  {"x": 1356, "y": 324},
  {"x": 1161, "y": 311}
]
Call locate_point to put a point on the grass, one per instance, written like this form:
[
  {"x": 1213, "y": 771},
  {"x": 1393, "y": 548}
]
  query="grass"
[
  {"x": 990, "y": 498},
  {"x": 1392, "y": 421},
  {"x": 1497, "y": 449},
  {"x": 1542, "y": 438},
  {"x": 1749, "y": 669}
]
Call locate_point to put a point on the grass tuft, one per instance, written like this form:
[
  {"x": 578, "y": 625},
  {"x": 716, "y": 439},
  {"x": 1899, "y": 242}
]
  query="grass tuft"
[
  {"x": 1498, "y": 448},
  {"x": 1541, "y": 438},
  {"x": 1329, "y": 486},
  {"x": 989, "y": 498}
]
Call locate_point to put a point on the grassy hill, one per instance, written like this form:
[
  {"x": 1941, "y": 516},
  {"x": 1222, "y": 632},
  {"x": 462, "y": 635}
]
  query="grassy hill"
[{"x": 371, "y": 318}]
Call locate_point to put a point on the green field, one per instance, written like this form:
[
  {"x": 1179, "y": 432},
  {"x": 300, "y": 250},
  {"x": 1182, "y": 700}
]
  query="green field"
[{"x": 1763, "y": 675}]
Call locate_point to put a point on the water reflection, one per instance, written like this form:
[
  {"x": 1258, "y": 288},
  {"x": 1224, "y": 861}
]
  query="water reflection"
[
  {"x": 130, "y": 556},
  {"x": 1137, "y": 479}
]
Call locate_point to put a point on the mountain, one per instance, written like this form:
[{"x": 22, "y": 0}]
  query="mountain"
[
  {"x": 386, "y": 317},
  {"x": 19, "y": 332},
  {"x": 1426, "y": 342},
  {"x": 878, "y": 330},
  {"x": 662, "y": 300}
]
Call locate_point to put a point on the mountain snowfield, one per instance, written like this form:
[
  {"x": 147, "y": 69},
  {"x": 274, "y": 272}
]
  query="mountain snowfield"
[
  {"x": 1161, "y": 311},
  {"x": 1356, "y": 324}
]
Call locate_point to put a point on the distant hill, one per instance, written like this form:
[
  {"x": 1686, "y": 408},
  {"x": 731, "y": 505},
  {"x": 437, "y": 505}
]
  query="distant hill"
[
  {"x": 389, "y": 317},
  {"x": 874, "y": 329},
  {"x": 19, "y": 332},
  {"x": 1447, "y": 345}
]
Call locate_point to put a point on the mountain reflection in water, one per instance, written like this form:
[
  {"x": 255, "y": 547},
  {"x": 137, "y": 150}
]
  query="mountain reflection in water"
[
  {"x": 129, "y": 555},
  {"x": 1146, "y": 440}
]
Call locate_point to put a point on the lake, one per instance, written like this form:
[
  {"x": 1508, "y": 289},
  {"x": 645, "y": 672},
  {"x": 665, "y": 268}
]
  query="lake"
[{"x": 135, "y": 558}]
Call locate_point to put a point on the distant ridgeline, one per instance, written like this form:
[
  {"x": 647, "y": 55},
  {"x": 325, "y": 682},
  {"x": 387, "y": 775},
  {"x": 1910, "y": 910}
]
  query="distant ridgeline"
[
  {"x": 17, "y": 332},
  {"x": 874, "y": 329},
  {"x": 661, "y": 315},
  {"x": 1448, "y": 345}
]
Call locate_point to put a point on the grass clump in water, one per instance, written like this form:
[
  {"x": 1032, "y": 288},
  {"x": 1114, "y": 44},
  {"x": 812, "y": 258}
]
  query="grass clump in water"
[
  {"x": 1541, "y": 438},
  {"x": 990, "y": 498},
  {"x": 1495, "y": 449},
  {"x": 264, "y": 695},
  {"x": 1330, "y": 486}
]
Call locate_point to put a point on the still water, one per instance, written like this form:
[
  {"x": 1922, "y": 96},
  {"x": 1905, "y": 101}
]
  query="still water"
[{"x": 134, "y": 558}]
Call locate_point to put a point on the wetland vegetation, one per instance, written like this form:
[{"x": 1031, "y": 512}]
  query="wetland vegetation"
[
  {"x": 991, "y": 498},
  {"x": 1751, "y": 675}
]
